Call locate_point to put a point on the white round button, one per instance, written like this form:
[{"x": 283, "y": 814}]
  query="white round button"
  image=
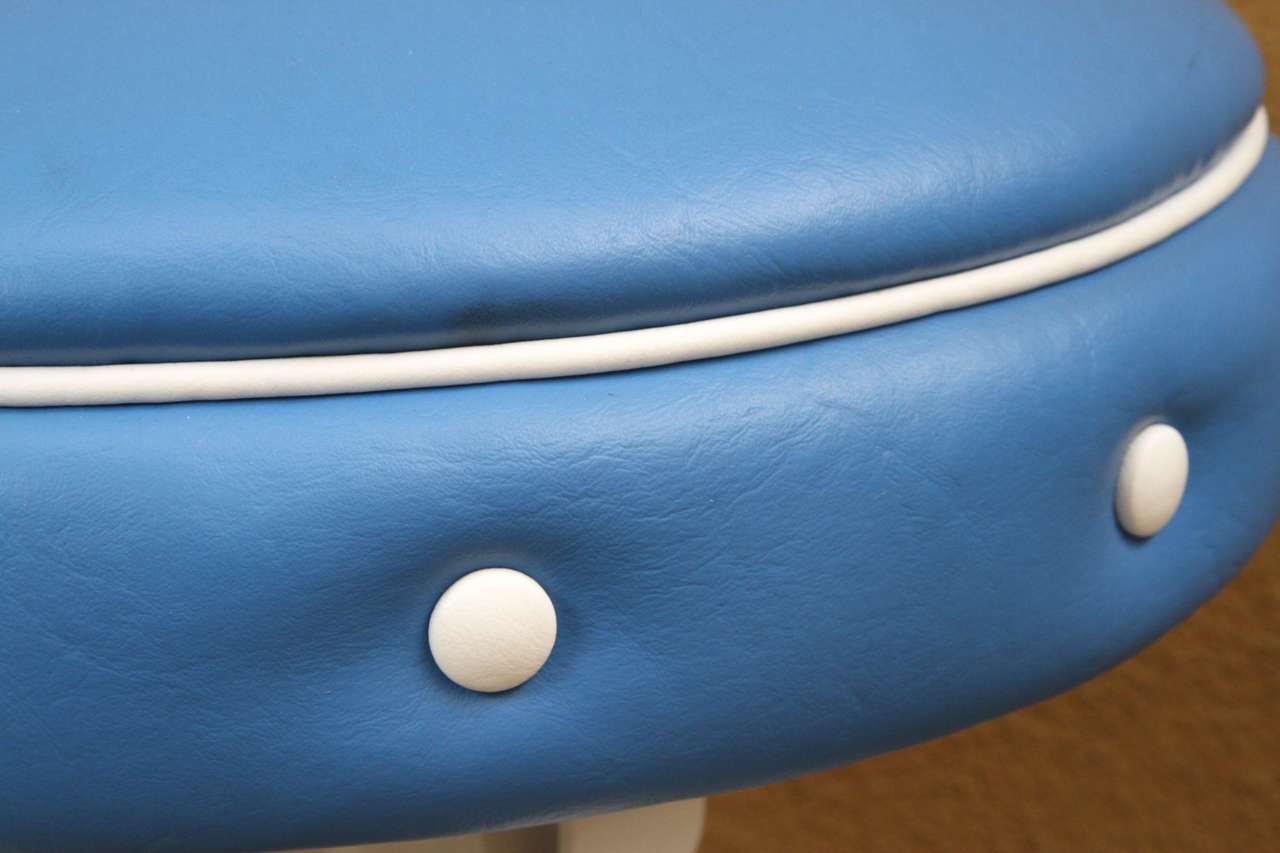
[
  {"x": 492, "y": 630},
  {"x": 1153, "y": 477}
]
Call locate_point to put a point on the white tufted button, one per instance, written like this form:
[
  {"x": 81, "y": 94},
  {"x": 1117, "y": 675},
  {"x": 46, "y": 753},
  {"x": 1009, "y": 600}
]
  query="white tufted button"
[
  {"x": 492, "y": 630},
  {"x": 1153, "y": 477}
]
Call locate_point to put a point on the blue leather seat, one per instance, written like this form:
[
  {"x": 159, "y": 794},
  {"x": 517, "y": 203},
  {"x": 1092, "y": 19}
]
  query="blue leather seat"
[{"x": 794, "y": 350}]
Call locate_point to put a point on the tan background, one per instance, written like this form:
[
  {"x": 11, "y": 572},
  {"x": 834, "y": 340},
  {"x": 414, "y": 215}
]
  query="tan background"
[{"x": 1176, "y": 750}]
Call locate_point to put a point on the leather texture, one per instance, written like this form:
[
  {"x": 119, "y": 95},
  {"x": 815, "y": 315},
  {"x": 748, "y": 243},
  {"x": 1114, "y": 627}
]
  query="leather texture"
[
  {"x": 212, "y": 635},
  {"x": 187, "y": 181}
]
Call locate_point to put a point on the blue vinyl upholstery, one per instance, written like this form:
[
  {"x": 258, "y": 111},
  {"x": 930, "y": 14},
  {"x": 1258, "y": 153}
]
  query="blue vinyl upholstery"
[
  {"x": 213, "y": 615},
  {"x": 183, "y": 180}
]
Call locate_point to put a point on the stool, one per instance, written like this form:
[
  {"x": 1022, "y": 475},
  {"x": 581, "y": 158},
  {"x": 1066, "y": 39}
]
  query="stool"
[{"x": 424, "y": 420}]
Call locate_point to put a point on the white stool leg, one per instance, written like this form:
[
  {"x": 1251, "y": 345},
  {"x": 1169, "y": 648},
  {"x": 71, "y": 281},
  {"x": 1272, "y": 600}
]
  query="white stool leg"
[
  {"x": 667, "y": 827},
  {"x": 664, "y": 828},
  {"x": 534, "y": 839}
]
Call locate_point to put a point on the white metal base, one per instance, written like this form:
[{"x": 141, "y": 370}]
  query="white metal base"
[{"x": 667, "y": 827}]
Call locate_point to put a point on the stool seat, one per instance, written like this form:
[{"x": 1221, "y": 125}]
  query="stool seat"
[
  {"x": 424, "y": 418},
  {"x": 188, "y": 184}
]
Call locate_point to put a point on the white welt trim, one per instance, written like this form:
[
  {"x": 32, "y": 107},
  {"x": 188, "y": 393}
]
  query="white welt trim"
[{"x": 575, "y": 356}]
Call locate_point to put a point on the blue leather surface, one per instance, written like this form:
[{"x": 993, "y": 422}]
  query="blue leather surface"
[
  {"x": 186, "y": 180},
  {"x": 212, "y": 627}
]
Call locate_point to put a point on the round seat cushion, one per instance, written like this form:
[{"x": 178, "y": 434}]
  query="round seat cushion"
[
  {"x": 740, "y": 390},
  {"x": 188, "y": 183}
]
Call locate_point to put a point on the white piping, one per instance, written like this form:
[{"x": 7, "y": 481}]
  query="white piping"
[{"x": 75, "y": 385}]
